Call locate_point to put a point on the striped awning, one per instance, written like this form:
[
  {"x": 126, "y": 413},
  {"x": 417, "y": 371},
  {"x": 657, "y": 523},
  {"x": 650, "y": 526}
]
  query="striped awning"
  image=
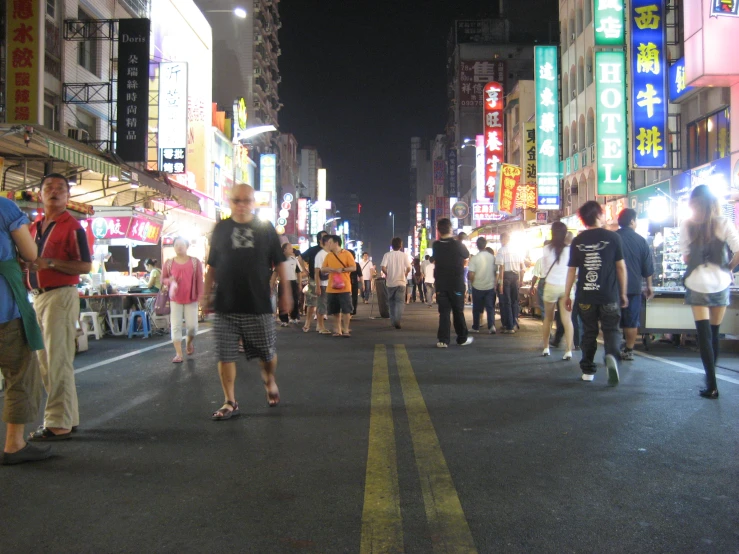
[{"x": 82, "y": 159}]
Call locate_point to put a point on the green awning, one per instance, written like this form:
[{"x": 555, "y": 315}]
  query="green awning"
[{"x": 82, "y": 159}]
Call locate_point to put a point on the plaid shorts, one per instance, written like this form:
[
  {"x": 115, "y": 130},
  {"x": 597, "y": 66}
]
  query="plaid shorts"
[{"x": 257, "y": 332}]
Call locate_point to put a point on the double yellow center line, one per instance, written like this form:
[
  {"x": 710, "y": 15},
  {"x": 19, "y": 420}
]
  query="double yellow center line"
[{"x": 382, "y": 525}]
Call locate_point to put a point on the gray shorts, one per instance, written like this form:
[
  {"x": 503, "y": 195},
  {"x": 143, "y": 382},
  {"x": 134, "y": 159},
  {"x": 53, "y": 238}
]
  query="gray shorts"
[
  {"x": 257, "y": 332},
  {"x": 340, "y": 303},
  {"x": 322, "y": 302}
]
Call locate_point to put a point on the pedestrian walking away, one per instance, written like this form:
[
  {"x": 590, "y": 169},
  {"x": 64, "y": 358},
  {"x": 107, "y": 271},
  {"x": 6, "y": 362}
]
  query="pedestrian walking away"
[
  {"x": 704, "y": 239},
  {"x": 355, "y": 277},
  {"x": 53, "y": 277},
  {"x": 450, "y": 255},
  {"x": 321, "y": 279},
  {"x": 311, "y": 298},
  {"x": 482, "y": 276},
  {"x": 639, "y": 267},
  {"x": 182, "y": 278},
  {"x": 428, "y": 281},
  {"x": 293, "y": 278},
  {"x": 510, "y": 266},
  {"x": 368, "y": 275},
  {"x": 555, "y": 260},
  {"x": 243, "y": 251},
  {"x": 338, "y": 265},
  {"x": 601, "y": 291},
  {"x": 396, "y": 266},
  {"x": 20, "y": 337}
]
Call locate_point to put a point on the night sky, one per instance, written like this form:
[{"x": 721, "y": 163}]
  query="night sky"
[{"x": 359, "y": 79}]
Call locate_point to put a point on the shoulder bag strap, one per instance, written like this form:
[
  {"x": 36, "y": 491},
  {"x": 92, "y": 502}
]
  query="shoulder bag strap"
[{"x": 335, "y": 256}]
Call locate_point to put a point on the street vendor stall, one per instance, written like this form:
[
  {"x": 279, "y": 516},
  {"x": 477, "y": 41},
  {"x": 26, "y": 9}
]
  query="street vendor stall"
[{"x": 30, "y": 204}]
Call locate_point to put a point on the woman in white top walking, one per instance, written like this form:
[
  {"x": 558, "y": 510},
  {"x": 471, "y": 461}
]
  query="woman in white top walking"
[
  {"x": 703, "y": 242},
  {"x": 554, "y": 269}
]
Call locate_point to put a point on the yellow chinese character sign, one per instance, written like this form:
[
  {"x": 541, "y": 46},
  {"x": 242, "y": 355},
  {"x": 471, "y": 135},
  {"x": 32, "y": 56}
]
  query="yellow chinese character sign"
[
  {"x": 24, "y": 66},
  {"x": 510, "y": 179},
  {"x": 648, "y": 90}
]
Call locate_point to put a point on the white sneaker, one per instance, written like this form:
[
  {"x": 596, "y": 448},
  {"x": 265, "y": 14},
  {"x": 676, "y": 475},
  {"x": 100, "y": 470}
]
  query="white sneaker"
[
  {"x": 567, "y": 356},
  {"x": 587, "y": 377},
  {"x": 612, "y": 367},
  {"x": 442, "y": 345},
  {"x": 469, "y": 341},
  {"x": 474, "y": 330},
  {"x": 545, "y": 352}
]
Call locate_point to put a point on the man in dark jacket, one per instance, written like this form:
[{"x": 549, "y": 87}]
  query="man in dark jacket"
[{"x": 450, "y": 255}]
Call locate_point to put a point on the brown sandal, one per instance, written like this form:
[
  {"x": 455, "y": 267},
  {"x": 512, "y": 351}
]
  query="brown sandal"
[{"x": 227, "y": 411}]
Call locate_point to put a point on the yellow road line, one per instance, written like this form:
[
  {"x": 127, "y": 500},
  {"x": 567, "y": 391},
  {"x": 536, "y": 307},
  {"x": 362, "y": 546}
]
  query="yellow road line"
[
  {"x": 382, "y": 525},
  {"x": 447, "y": 524}
]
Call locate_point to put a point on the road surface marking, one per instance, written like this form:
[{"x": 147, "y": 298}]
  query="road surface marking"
[
  {"x": 129, "y": 354},
  {"x": 382, "y": 524},
  {"x": 447, "y": 524},
  {"x": 685, "y": 366}
]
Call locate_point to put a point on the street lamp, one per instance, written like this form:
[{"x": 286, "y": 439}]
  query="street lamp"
[{"x": 391, "y": 214}]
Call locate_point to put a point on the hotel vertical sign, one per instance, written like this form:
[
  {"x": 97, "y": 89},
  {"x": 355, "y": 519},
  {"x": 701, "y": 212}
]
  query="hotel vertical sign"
[
  {"x": 133, "y": 89},
  {"x": 492, "y": 96},
  {"x": 547, "y": 127},
  {"x": 24, "y": 66},
  {"x": 610, "y": 114},
  {"x": 648, "y": 90},
  {"x": 608, "y": 22}
]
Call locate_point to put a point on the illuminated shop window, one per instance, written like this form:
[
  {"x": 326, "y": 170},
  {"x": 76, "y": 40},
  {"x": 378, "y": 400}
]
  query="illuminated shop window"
[{"x": 709, "y": 139}]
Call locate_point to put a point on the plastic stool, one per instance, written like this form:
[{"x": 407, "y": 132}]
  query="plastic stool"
[
  {"x": 115, "y": 328},
  {"x": 145, "y": 331},
  {"x": 96, "y": 329}
]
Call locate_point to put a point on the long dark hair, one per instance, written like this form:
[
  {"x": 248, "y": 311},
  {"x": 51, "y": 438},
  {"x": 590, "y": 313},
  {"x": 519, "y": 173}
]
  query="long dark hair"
[
  {"x": 706, "y": 211},
  {"x": 559, "y": 232}
]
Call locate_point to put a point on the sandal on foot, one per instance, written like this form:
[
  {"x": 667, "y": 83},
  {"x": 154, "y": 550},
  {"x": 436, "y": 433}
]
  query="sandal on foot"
[
  {"x": 227, "y": 411},
  {"x": 43, "y": 434},
  {"x": 347, "y": 335},
  {"x": 337, "y": 335},
  {"x": 273, "y": 399},
  {"x": 177, "y": 360},
  {"x": 323, "y": 332},
  {"x": 306, "y": 329},
  {"x": 190, "y": 349}
]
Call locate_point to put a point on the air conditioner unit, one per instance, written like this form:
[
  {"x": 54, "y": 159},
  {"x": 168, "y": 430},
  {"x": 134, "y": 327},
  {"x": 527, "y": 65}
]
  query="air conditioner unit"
[{"x": 78, "y": 134}]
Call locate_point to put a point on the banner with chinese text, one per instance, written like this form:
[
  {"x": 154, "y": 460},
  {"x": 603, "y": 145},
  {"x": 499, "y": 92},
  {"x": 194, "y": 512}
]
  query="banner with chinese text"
[
  {"x": 172, "y": 117},
  {"x": 547, "y": 127},
  {"x": 678, "y": 87},
  {"x": 648, "y": 92},
  {"x": 451, "y": 171},
  {"x": 529, "y": 147},
  {"x": 608, "y": 22},
  {"x": 473, "y": 75},
  {"x": 24, "y": 66},
  {"x": 610, "y": 122},
  {"x": 493, "y": 126},
  {"x": 133, "y": 89},
  {"x": 510, "y": 179}
]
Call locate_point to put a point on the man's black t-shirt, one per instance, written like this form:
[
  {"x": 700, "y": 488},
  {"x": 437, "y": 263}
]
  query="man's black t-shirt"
[
  {"x": 449, "y": 255},
  {"x": 244, "y": 255},
  {"x": 595, "y": 253},
  {"x": 309, "y": 256}
]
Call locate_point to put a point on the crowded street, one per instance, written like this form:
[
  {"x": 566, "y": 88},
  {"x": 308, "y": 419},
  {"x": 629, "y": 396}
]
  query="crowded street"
[{"x": 383, "y": 443}]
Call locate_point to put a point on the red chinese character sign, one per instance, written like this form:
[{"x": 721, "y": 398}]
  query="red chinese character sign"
[
  {"x": 24, "y": 67},
  {"x": 510, "y": 179},
  {"x": 492, "y": 96}
]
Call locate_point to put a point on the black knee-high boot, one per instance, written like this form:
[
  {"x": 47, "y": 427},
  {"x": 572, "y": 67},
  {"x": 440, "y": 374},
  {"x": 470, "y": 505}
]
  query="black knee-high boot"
[
  {"x": 705, "y": 345},
  {"x": 714, "y": 342}
]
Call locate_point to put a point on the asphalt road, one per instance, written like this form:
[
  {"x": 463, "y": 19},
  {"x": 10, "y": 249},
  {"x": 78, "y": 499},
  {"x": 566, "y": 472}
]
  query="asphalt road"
[{"x": 383, "y": 443}]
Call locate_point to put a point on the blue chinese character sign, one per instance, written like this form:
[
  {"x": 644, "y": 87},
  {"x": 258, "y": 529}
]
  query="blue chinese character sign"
[
  {"x": 678, "y": 88},
  {"x": 547, "y": 127},
  {"x": 648, "y": 92},
  {"x": 610, "y": 117},
  {"x": 608, "y": 22}
]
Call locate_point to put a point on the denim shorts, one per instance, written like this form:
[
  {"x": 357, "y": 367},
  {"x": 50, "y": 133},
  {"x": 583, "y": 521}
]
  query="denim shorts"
[
  {"x": 708, "y": 299},
  {"x": 630, "y": 316}
]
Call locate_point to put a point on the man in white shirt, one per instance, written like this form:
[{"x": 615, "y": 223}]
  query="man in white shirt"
[
  {"x": 396, "y": 266},
  {"x": 429, "y": 280},
  {"x": 482, "y": 276},
  {"x": 510, "y": 269},
  {"x": 368, "y": 272},
  {"x": 322, "y": 300}
]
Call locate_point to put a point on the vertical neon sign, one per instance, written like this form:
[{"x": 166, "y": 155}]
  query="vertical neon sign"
[
  {"x": 547, "y": 127},
  {"x": 492, "y": 96}
]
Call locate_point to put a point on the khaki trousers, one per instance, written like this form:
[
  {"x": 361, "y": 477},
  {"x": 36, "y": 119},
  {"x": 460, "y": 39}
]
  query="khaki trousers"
[{"x": 57, "y": 312}]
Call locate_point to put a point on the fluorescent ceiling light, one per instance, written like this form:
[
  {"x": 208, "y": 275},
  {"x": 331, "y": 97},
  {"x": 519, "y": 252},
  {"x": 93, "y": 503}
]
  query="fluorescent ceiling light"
[{"x": 240, "y": 12}]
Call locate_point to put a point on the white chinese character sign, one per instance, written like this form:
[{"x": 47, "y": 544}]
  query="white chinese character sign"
[
  {"x": 133, "y": 89},
  {"x": 610, "y": 122},
  {"x": 492, "y": 108},
  {"x": 172, "y": 117},
  {"x": 648, "y": 91},
  {"x": 608, "y": 22},
  {"x": 473, "y": 75},
  {"x": 546, "y": 135}
]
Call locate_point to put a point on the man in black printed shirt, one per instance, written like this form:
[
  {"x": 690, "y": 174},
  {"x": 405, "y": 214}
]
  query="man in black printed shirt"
[{"x": 601, "y": 292}]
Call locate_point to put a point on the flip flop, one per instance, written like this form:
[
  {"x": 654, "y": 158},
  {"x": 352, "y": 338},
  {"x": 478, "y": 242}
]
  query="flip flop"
[
  {"x": 222, "y": 413},
  {"x": 42, "y": 434},
  {"x": 273, "y": 399},
  {"x": 324, "y": 332},
  {"x": 337, "y": 335},
  {"x": 347, "y": 335},
  {"x": 306, "y": 330},
  {"x": 177, "y": 360},
  {"x": 190, "y": 350}
]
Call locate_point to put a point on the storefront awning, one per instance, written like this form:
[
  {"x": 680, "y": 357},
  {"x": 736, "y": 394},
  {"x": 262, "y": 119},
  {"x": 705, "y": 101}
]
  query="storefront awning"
[
  {"x": 82, "y": 159},
  {"x": 170, "y": 190}
]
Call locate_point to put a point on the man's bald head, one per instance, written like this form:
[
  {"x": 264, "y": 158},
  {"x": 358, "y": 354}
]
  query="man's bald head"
[{"x": 242, "y": 203}]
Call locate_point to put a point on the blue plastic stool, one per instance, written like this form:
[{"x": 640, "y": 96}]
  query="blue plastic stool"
[{"x": 145, "y": 331}]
